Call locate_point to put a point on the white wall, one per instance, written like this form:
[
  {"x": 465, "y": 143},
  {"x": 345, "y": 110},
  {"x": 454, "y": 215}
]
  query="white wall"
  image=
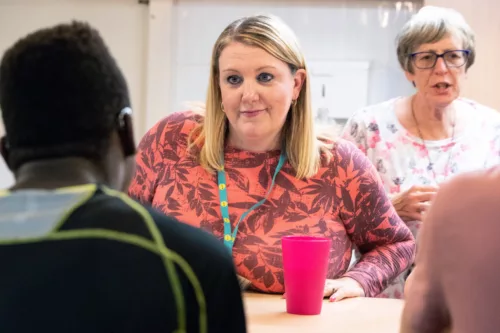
[
  {"x": 331, "y": 31},
  {"x": 122, "y": 23},
  {"x": 154, "y": 44},
  {"x": 164, "y": 48}
]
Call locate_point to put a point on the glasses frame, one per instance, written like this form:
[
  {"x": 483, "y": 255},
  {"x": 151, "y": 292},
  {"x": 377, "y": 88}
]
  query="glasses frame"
[{"x": 442, "y": 55}]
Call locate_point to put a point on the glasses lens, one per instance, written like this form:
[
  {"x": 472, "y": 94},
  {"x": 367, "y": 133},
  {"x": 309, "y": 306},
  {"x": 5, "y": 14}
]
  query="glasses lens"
[
  {"x": 455, "y": 58},
  {"x": 425, "y": 60}
]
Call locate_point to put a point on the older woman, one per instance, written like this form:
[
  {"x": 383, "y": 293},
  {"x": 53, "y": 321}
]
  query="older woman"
[
  {"x": 416, "y": 142},
  {"x": 251, "y": 170}
]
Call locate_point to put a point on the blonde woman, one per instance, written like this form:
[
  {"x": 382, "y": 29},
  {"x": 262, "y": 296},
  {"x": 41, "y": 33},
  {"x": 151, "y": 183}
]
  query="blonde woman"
[{"x": 251, "y": 170}]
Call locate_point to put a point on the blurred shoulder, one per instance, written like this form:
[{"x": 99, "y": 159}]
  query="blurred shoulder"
[
  {"x": 346, "y": 155},
  {"x": 344, "y": 148},
  {"x": 469, "y": 191},
  {"x": 173, "y": 129},
  {"x": 183, "y": 121}
]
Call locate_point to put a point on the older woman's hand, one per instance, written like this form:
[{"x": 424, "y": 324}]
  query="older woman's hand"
[
  {"x": 345, "y": 287},
  {"x": 413, "y": 203}
]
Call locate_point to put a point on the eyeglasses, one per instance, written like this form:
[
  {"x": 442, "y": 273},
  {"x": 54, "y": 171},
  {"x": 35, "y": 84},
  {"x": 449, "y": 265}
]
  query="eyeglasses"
[{"x": 453, "y": 58}]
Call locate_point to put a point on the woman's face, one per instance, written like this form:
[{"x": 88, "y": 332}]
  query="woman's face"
[
  {"x": 257, "y": 90},
  {"x": 439, "y": 85}
]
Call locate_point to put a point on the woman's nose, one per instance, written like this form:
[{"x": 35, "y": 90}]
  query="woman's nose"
[
  {"x": 440, "y": 66},
  {"x": 250, "y": 93}
]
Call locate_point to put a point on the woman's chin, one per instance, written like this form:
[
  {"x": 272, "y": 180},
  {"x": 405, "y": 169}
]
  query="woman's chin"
[
  {"x": 251, "y": 132},
  {"x": 443, "y": 101}
]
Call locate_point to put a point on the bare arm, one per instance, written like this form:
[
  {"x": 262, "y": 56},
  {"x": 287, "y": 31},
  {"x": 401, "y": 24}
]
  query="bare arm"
[{"x": 425, "y": 308}]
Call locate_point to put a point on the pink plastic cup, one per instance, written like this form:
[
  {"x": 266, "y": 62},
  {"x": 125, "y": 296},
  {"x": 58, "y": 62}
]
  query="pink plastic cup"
[{"x": 305, "y": 264}]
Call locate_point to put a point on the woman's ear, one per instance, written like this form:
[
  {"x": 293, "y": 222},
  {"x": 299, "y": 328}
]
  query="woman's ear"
[{"x": 298, "y": 82}]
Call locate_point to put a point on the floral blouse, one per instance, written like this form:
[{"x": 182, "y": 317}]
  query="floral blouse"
[
  {"x": 345, "y": 201},
  {"x": 402, "y": 160}
]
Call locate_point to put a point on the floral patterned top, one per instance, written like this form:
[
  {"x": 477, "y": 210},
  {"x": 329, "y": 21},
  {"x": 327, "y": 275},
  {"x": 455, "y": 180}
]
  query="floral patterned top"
[
  {"x": 401, "y": 159},
  {"x": 344, "y": 201}
]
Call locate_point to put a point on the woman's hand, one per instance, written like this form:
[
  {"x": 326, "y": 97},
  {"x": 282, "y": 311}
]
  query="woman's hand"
[
  {"x": 343, "y": 288},
  {"x": 413, "y": 203}
]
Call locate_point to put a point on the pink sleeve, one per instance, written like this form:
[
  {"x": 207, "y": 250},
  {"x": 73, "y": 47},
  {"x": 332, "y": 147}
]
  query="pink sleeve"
[{"x": 385, "y": 242}]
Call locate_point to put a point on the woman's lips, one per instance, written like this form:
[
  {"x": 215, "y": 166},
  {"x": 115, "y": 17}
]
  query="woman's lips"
[
  {"x": 441, "y": 88},
  {"x": 251, "y": 113}
]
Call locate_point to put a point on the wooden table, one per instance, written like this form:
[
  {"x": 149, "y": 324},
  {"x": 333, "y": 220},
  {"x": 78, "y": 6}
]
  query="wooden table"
[{"x": 267, "y": 314}]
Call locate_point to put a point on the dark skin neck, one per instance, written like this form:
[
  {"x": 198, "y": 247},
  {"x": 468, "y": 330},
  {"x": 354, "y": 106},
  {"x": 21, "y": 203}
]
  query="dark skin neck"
[{"x": 57, "y": 173}]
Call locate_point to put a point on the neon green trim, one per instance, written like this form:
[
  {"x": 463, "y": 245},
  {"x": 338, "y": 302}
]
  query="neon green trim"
[
  {"x": 198, "y": 290},
  {"x": 76, "y": 188},
  {"x": 91, "y": 188},
  {"x": 69, "y": 189},
  {"x": 157, "y": 246},
  {"x": 133, "y": 240},
  {"x": 174, "y": 279}
]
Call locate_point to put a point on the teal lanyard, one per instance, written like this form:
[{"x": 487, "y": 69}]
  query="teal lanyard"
[{"x": 229, "y": 236}]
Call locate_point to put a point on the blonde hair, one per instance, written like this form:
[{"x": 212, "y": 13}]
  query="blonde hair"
[
  {"x": 430, "y": 25},
  {"x": 303, "y": 149}
]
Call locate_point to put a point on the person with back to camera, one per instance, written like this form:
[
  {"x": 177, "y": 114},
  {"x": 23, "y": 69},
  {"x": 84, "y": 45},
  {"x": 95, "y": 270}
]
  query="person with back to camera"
[
  {"x": 454, "y": 286},
  {"x": 251, "y": 170},
  {"x": 76, "y": 254},
  {"x": 417, "y": 142}
]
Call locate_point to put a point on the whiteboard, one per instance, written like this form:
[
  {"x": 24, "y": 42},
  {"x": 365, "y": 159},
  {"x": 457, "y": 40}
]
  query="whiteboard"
[{"x": 339, "y": 86}]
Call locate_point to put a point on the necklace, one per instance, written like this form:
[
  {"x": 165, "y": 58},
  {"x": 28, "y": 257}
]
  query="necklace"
[{"x": 430, "y": 167}]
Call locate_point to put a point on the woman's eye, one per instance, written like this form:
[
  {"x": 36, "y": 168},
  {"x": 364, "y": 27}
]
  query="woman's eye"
[
  {"x": 233, "y": 79},
  {"x": 265, "y": 77}
]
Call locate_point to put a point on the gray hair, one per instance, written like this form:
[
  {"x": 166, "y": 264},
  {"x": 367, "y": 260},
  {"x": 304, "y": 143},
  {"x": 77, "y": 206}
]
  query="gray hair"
[{"x": 430, "y": 25}]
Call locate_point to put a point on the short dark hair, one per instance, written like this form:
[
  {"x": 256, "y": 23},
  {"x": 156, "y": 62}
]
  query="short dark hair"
[{"x": 60, "y": 93}]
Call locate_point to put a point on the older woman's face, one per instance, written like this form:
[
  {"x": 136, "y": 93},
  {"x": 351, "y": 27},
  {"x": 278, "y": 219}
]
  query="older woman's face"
[
  {"x": 441, "y": 84},
  {"x": 257, "y": 91}
]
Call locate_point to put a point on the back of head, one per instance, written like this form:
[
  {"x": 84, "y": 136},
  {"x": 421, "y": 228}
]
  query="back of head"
[{"x": 60, "y": 94}]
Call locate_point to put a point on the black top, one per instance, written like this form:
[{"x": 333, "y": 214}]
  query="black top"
[{"x": 86, "y": 261}]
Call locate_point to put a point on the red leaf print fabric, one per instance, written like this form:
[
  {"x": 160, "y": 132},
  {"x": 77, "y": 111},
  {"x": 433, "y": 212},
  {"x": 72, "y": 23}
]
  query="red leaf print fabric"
[{"x": 344, "y": 201}]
